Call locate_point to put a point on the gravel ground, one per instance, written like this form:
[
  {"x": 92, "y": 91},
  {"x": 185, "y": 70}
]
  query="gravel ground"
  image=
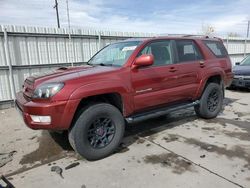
[{"x": 179, "y": 150}]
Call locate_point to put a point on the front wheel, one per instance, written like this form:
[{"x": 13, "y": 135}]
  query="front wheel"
[
  {"x": 98, "y": 131},
  {"x": 210, "y": 102}
]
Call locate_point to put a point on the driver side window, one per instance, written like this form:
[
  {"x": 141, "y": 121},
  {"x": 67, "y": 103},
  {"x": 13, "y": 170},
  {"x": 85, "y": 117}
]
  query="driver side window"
[{"x": 161, "y": 51}]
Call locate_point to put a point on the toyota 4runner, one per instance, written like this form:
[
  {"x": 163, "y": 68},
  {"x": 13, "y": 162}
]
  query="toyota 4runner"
[{"x": 127, "y": 82}]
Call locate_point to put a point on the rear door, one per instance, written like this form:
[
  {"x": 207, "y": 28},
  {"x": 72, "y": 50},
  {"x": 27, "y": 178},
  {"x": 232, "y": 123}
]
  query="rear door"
[{"x": 190, "y": 63}]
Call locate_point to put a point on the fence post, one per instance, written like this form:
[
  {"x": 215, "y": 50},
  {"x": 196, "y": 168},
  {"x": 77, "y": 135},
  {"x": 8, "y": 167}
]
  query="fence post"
[
  {"x": 99, "y": 41},
  {"x": 227, "y": 43},
  {"x": 7, "y": 55},
  {"x": 245, "y": 47}
]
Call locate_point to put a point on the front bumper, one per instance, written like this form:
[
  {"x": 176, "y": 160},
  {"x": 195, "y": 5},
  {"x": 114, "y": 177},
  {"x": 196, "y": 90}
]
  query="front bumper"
[
  {"x": 241, "y": 81},
  {"x": 61, "y": 112}
]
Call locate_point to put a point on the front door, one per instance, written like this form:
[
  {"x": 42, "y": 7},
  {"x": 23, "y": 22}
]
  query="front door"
[{"x": 155, "y": 85}]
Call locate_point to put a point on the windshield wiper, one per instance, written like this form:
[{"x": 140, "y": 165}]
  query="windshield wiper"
[{"x": 103, "y": 64}]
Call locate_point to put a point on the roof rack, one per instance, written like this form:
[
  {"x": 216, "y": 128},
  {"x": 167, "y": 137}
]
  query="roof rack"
[
  {"x": 201, "y": 36},
  {"x": 189, "y": 35}
]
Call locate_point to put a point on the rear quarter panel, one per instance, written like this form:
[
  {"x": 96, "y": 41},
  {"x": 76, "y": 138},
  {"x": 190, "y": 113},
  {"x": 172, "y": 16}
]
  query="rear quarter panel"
[{"x": 214, "y": 68}]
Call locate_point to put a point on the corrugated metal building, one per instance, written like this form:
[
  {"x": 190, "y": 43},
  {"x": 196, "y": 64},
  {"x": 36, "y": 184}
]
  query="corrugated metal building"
[{"x": 29, "y": 50}]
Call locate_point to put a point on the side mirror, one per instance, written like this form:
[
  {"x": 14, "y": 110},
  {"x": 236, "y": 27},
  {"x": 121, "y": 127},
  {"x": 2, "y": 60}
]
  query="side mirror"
[
  {"x": 144, "y": 60},
  {"x": 237, "y": 63}
]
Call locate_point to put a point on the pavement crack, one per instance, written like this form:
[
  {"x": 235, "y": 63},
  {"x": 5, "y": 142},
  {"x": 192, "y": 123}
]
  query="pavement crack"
[{"x": 196, "y": 164}]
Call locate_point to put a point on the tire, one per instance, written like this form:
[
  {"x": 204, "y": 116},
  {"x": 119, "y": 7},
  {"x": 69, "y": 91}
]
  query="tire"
[
  {"x": 97, "y": 132},
  {"x": 211, "y": 102},
  {"x": 231, "y": 87},
  {"x": 51, "y": 132}
]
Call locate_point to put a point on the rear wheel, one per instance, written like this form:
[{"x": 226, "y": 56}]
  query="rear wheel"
[
  {"x": 210, "y": 102},
  {"x": 98, "y": 131}
]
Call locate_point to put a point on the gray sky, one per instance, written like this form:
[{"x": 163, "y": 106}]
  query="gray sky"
[{"x": 158, "y": 16}]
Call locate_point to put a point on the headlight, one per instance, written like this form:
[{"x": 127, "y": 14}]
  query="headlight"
[{"x": 46, "y": 91}]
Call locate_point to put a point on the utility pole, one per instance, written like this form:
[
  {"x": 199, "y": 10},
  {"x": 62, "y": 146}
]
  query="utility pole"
[
  {"x": 70, "y": 41},
  {"x": 248, "y": 25},
  {"x": 57, "y": 14}
]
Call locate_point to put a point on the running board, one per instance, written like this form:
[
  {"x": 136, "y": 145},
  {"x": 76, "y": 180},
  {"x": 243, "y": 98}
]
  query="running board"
[{"x": 159, "y": 112}]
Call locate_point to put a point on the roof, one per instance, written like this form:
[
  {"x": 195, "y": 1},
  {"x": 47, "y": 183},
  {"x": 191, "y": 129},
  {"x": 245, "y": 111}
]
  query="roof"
[{"x": 193, "y": 37}]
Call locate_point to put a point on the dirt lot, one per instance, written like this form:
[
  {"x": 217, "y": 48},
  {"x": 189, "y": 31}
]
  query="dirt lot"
[{"x": 177, "y": 151}]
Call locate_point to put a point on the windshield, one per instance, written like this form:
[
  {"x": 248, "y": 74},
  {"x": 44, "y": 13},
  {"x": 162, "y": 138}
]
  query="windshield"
[
  {"x": 246, "y": 61},
  {"x": 114, "y": 54}
]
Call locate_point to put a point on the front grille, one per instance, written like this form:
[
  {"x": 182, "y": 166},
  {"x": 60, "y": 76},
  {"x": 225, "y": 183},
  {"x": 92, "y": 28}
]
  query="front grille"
[
  {"x": 29, "y": 82},
  {"x": 28, "y": 98},
  {"x": 28, "y": 89}
]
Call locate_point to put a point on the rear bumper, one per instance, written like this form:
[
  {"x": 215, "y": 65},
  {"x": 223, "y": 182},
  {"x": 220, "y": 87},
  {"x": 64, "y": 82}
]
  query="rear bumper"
[{"x": 61, "y": 112}]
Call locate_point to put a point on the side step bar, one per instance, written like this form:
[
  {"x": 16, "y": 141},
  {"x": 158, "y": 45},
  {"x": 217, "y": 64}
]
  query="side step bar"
[{"x": 159, "y": 112}]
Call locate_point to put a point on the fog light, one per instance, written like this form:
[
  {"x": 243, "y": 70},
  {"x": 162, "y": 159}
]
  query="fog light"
[{"x": 41, "y": 119}]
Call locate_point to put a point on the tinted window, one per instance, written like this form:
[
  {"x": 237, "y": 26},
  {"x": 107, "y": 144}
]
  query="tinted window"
[
  {"x": 161, "y": 51},
  {"x": 217, "y": 48},
  {"x": 187, "y": 50}
]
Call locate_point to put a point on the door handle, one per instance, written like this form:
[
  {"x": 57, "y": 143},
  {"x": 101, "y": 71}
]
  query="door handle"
[
  {"x": 172, "y": 69},
  {"x": 202, "y": 64}
]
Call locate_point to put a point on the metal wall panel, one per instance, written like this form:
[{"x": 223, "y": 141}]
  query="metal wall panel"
[
  {"x": 62, "y": 50},
  {"x": 78, "y": 50},
  {"x": 248, "y": 47},
  {"x": 52, "y": 50},
  {"x": 43, "y": 50},
  {"x": 69, "y": 51},
  {"x": 93, "y": 46},
  {"x": 21, "y": 51},
  {"x": 35, "y": 49},
  {"x": 4, "y": 85},
  {"x": 238, "y": 48},
  {"x": 12, "y": 51},
  {"x": 2, "y": 53},
  {"x": 86, "y": 50}
]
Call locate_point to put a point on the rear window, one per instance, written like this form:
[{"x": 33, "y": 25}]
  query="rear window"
[{"x": 217, "y": 48}]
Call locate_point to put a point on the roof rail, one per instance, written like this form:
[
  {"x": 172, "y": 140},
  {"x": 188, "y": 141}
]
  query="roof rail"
[
  {"x": 201, "y": 36},
  {"x": 187, "y": 35}
]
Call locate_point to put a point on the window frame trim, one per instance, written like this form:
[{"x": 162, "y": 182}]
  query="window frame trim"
[
  {"x": 171, "y": 42},
  {"x": 194, "y": 44}
]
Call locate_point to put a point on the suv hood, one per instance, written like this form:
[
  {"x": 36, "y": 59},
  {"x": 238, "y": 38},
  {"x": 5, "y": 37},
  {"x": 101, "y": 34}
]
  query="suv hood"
[
  {"x": 241, "y": 70},
  {"x": 62, "y": 75},
  {"x": 67, "y": 73}
]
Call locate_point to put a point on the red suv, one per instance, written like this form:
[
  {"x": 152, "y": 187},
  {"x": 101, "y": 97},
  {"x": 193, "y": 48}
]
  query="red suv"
[{"x": 127, "y": 82}]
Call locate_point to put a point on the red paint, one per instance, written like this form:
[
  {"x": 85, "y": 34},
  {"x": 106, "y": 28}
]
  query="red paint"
[
  {"x": 140, "y": 87},
  {"x": 143, "y": 60}
]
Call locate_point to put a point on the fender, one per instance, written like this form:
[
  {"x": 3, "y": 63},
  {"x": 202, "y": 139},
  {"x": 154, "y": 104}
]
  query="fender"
[
  {"x": 105, "y": 87},
  {"x": 213, "y": 71}
]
